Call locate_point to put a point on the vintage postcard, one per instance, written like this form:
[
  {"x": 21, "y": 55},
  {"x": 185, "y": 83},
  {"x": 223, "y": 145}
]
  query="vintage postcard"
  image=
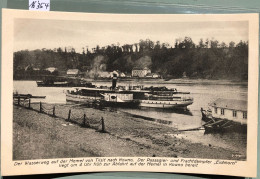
[{"x": 126, "y": 92}]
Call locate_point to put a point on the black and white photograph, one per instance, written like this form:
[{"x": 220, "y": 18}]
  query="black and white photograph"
[{"x": 159, "y": 87}]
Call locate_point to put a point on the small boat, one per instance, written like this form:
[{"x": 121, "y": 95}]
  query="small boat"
[
  {"x": 225, "y": 115},
  {"x": 173, "y": 104},
  {"x": 84, "y": 95},
  {"x": 53, "y": 81},
  {"x": 26, "y": 96},
  {"x": 53, "y": 84}
]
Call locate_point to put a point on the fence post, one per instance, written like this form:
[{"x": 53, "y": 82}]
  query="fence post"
[
  {"x": 29, "y": 103},
  {"x": 18, "y": 100},
  {"x": 84, "y": 120},
  {"x": 69, "y": 115},
  {"x": 103, "y": 125},
  {"x": 40, "y": 107},
  {"x": 53, "y": 111}
]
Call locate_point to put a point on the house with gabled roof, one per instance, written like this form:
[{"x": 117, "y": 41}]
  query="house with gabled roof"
[{"x": 140, "y": 72}]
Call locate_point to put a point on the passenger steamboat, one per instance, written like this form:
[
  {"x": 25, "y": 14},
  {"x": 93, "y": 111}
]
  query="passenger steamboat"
[{"x": 138, "y": 96}]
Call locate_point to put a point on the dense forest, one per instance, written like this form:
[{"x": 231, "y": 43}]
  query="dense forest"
[{"x": 208, "y": 59}]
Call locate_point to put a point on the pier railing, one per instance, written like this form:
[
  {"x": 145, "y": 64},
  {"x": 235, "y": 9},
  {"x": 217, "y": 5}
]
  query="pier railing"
[
  {"x": 24, "y": 102},
  {"x": 80, "y": 119}
]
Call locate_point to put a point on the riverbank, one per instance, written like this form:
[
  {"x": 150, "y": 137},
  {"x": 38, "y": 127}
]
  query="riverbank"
[{"x": 40, "y": 136}]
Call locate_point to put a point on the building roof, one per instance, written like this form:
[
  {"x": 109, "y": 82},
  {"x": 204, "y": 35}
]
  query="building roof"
[
  {"x": 51, "y": 69},
  {"x": 233, "y": 104},
  {"x": 140, "y": 68}
]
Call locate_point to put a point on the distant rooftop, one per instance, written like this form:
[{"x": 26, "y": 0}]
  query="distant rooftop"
[
  {"x": 234, "y": 104},
  {"x": 140, "y": 68},
  {"x": 51, "y": 69}
]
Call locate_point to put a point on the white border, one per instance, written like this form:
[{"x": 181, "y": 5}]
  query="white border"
[{"x": 243, "y": 168}]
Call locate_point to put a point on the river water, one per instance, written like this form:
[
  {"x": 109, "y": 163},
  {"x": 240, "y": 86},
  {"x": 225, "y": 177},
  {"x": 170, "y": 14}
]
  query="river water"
[{"x": 202, "y": 91}]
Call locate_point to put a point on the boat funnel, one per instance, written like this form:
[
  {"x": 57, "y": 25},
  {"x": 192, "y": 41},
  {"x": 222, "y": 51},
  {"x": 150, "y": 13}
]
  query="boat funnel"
[{"x": 114, "y": 80}]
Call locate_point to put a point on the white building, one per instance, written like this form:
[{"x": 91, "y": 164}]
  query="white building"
[
  {"x": 114, "y": 72},
  {"x": 122, "y": 75},
  {"x": 73, "y": 72},
  {"x": 231, "y": 109},
  {"x": 104, "y": 74},
  {"x": 155, "y": 75},
  {"x": 152, "y": 75},
  {"x": 140, "y": 72},
  {"x": 51, "y": 69}
]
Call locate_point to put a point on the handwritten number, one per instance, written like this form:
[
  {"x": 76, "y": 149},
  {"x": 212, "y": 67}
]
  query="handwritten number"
[
  {"x": 32, "y": 5},
  {"x": 46, "y": 5},
  {"x": 39, "y": 5}
]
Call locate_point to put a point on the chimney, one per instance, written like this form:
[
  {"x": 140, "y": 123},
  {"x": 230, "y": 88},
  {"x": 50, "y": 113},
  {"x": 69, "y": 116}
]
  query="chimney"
[{"x": 114, "y": 79}]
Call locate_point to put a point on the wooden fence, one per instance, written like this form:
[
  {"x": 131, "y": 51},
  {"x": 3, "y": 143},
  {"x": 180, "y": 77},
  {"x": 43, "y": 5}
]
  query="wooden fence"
[{"x": 81, "y": 120}]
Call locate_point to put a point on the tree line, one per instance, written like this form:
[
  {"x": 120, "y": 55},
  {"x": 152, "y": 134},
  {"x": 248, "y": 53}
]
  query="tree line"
[{"x": 209, "y": 59}]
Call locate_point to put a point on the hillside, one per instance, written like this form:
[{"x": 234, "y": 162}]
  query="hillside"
[{"x": 209, "y": 59}]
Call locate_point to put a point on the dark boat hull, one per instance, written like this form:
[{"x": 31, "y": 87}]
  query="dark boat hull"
[
  {"x": 234, "y": 127},
  {"x": 63, "y": 84},
  {"x": 130, "y": 104},
  {"x": 27, "y": 96}
]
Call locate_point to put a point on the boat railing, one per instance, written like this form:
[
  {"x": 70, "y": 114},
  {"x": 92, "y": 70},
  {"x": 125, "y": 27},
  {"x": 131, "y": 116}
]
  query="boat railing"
[{"x": 187, "y": 98}]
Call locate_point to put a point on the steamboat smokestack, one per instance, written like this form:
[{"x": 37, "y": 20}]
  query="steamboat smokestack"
[{"x": 114, "y": 80}]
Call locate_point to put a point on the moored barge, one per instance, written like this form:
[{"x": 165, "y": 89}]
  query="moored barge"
[{"x": 226, "y": 115}]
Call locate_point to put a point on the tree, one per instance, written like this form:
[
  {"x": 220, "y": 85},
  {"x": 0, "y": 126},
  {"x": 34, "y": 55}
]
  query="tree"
[
  {"x": 59, "y": 50},
  {"x": 207, "y": 43},
  {"x": 187, "y": 43},
  {"x": 210, "y": 59},
  {"x": 214, "y": 44},
  {"x": 176, "y": 44},
  {"x": 201, "y": 44},
  {"x": 231, "y": 44},
  {"x": 223, "y": 45}
]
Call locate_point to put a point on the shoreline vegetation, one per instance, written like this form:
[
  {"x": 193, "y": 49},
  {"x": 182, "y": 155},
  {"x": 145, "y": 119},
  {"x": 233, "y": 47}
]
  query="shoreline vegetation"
[
  {"x": 209, "y": 59},
  {"x": 41, "y": 136}
]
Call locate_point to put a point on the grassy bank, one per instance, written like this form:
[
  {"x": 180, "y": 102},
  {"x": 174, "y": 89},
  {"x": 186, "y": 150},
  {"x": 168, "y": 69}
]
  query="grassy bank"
[{"x": 40, "y": 136}]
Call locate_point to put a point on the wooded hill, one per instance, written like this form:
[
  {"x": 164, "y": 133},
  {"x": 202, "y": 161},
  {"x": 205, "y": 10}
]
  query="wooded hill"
[{"x": 209, "y": 59}]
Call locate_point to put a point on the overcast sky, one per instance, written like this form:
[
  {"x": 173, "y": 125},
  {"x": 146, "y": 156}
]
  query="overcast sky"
[{"x": 37, "y": 34}]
